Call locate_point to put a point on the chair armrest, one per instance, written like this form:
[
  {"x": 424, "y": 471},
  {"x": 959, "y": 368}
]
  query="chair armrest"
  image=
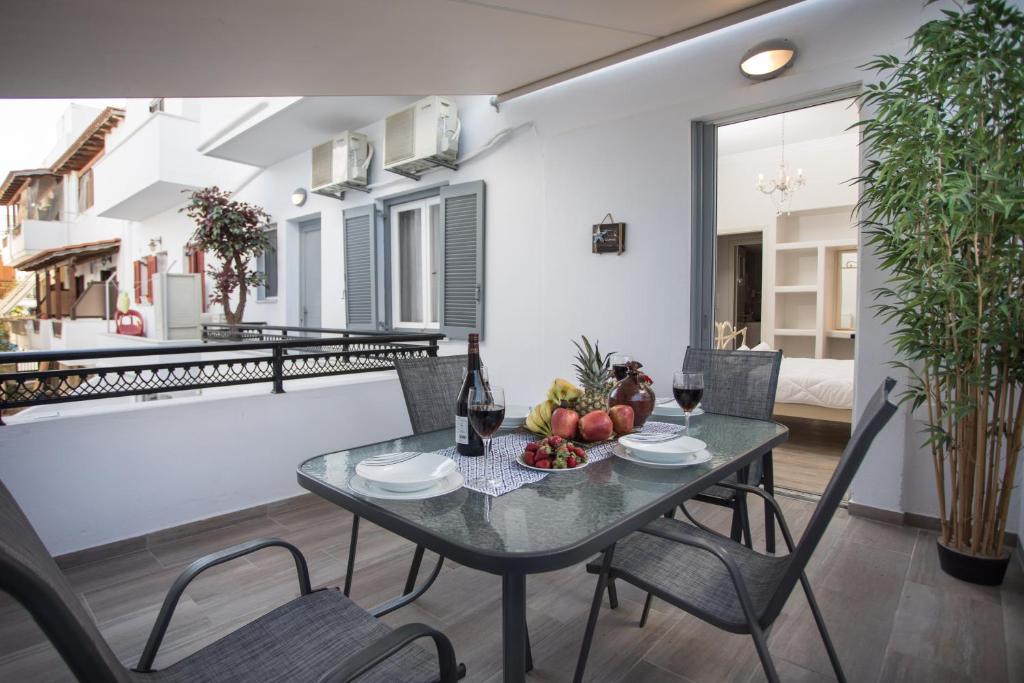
[
  {"x": 393, "y": 604},
  {"x": 378, "y": 651},
  {"x": 757, "y": 491},
  {"x": 163, "y": 619},
  {"x": 722, "y": 555}
]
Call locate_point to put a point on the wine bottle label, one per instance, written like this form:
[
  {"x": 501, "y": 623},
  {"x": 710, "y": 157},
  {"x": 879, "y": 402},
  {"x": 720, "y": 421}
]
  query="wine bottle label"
[{"x": 461, "y": 430}]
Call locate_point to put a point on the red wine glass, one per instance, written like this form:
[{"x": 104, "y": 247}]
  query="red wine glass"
[
  {"x": 486, "y": 413},
  {"x": 688, "y": 389}
]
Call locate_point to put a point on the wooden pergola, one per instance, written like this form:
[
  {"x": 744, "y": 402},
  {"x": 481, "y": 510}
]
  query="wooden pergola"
[{"x": 52, "y": 299}]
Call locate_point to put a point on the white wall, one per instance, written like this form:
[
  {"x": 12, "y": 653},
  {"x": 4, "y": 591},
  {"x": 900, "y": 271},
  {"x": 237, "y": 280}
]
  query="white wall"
[
  {"x": 619, "y": 141},
  {"x": 228, "y": 455}
]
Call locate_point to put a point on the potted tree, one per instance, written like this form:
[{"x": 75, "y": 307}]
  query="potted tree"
[
  {"x": 944, "y": 208},
  {"x": 235, "y": 232}
]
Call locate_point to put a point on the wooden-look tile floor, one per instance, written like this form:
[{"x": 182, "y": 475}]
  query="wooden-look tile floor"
[
  {"x": 893, "y": 614},
  {"x": 806, "y": 461}
]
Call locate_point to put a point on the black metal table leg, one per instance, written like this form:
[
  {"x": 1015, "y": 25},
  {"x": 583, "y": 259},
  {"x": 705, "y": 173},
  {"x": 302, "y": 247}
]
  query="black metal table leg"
[
  {"x": 768, "y": 483},
  {"x": 414, "y": 570},
  {"x": 513, "y": 626},
  {"x": 350, "y": 566}
]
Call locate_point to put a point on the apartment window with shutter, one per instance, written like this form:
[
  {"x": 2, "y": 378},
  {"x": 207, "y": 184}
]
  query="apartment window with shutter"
[
  {"x": 85, "y": 191},
  {"x": 266, "y": 263},
  {"x": 416, "y": 262},
  {"x": 415, "y": 235}
]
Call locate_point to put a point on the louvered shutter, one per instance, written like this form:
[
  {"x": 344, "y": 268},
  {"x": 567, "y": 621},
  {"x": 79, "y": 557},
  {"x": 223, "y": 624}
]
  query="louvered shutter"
[
  {"x": 360, "y": 269},
  {"x": 137, "y": 275},
  {"x": 462, "y": 259}
]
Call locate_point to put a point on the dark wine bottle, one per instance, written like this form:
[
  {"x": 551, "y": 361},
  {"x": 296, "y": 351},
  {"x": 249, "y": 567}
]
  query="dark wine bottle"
[{"x": 467, "y": 441}]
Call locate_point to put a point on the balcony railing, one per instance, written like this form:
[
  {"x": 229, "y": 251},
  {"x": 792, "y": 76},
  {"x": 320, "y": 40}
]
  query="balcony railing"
[{"x": 346, "y": 352}]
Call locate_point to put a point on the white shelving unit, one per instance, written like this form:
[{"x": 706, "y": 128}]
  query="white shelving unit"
[{"x": 802, "y": 296}]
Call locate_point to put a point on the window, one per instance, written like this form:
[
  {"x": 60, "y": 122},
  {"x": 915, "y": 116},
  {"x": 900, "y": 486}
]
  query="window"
[
  {"x": 266, "y": 263},
  {"x": 85, "y": 191},
  {"x": 415, "y": 263}
]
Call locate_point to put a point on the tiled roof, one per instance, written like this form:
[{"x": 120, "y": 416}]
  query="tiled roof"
[
  {"x": 89, "y": 143},
  {"x": 51, "y": 256}
]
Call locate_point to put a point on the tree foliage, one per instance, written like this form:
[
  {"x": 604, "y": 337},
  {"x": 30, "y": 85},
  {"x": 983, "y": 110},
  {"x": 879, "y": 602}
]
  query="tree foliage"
[
  {"x": 943, "y": 196},
  {"x": 235, "y": 232}
]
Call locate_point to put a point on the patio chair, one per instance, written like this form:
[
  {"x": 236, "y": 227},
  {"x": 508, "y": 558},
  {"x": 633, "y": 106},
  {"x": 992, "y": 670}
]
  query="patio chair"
[
  {"x": 431, "y": 387},
  {"x": 742, "y": 384},
  {"x": 723, "y": 582},
  {"x": 319, "y": 636}
]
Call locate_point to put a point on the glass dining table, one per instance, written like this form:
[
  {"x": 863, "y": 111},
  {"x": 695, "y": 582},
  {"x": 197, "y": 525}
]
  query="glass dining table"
[{"x": 564, "y": 519}]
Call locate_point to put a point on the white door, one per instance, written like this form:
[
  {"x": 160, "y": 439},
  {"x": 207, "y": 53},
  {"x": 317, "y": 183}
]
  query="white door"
[{"x": 309, "y": 274}]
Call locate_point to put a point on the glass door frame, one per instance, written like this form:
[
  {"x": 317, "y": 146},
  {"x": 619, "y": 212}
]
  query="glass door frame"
[{"x": 703, "y": 204}]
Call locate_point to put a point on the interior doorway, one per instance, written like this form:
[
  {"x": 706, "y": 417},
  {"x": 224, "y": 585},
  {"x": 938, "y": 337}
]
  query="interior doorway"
[{"x": 777, "y": 239}]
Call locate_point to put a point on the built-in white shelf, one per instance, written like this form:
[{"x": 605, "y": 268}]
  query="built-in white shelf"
[
  {"x": 793, "y": 332},
  {"x": 840, "y": 334},
  {"x": 796, "y": 289},
  {"x": 796, "y": 246}
]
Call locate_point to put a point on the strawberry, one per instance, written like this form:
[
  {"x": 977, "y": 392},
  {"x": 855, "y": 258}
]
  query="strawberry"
[
  {"x": 532, "y": 446},
  {"x": 528, "y": 457},
  {"x": 555, "y": 441},
  {"x": 544, "y": 464},
  {"x": 579, "y": 451},
  {"x": 570, "y": 462},
  {"x": 544, "y": 451}
]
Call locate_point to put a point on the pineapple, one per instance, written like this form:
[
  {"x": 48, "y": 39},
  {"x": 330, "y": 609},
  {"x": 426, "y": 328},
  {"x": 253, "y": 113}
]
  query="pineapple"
[{"x": 593, "y": 371}]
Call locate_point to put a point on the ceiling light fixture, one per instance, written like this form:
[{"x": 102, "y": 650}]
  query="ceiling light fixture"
[
  {"x": 768, "y": 59},
  {"x": 781, "y": 188}
]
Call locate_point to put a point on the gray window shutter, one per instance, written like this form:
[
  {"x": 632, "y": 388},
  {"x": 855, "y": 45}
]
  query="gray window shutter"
[
  {"x": 462, "y": 259},
  {"x": 360, "y": 269}
]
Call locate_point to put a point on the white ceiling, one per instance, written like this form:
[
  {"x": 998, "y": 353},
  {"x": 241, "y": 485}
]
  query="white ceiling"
[
  {"x": 811, "y": 123},
  {"x": 206, "y": 48}
]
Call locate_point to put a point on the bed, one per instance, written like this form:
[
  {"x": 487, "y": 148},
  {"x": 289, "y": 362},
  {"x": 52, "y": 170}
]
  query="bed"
[{"x": 815, "y": 388}]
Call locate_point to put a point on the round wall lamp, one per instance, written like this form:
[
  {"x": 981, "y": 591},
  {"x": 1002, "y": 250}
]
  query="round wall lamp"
[
  {"x": 768, "y": 59},
  {"x": 298, "y": 196}
]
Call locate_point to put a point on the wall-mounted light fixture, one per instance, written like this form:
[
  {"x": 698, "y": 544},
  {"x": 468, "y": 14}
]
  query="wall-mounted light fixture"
[
  {"x": 298, "y": 196},
  {"x": 155, "y": 243},
  {"x": 768, "y": 59}
]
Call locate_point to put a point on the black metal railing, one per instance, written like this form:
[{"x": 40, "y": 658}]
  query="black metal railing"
[
  {"x": 265, "y": 332},
  {"x": 52, "y": 378}
]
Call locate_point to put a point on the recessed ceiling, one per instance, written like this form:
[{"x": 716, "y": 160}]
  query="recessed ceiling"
[
  {"x": 207, "y": 48},
  {"x": 810, "y": 123}
]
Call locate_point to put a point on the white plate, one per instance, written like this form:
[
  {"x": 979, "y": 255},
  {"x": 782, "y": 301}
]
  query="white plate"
[
  {"x": 672, "y": 409},
  {"x": 515, "y": 416},
  {"x": 541, "y": 469},
  {"x": 698, "y": 458},
  {"x": 414, "y": 474},
  {"x": 453, "y": 482},
  {"x": 672, "y": 451}
]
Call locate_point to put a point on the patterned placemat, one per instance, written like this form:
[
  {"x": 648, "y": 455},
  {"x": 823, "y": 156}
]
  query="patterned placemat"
[{"x": 506, "y": 449}]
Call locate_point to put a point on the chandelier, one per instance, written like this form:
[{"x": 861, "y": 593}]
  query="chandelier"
[{"x": 781, "y": 188}]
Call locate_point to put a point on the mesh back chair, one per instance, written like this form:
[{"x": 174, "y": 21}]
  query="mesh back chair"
[
  {"x": 431, "y": 387},
  {"x": 319, "y": 636},
  {"x": 742, "y": 384},
  {"x": 723, "y": 582}
]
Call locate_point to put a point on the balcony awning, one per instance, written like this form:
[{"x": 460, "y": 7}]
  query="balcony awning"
[
  {"x": 89, "y": 143},
  {"x": 86, "y": 250},
  {"x": 15, "y": 180}
]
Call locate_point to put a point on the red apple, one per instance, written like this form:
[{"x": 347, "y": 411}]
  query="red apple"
[
  {"x": 596, "y": 426},
  {"x": 564, "y": 423},
  {"x": 622, "y": 418}
]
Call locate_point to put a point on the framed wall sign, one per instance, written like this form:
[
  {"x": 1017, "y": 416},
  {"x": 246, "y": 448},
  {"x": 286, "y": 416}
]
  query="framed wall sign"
[{"x": 608, "y": 237}]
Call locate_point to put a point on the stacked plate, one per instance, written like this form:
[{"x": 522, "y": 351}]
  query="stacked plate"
[
  {"x": 682, "y": 451},
  {"x": 515, "y": 416},
  {"x": 408, "y": 476},
  {"x": 671, "y": 409}
]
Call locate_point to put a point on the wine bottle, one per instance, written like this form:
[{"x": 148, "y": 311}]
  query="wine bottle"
[{"x": 467, "y": 441}]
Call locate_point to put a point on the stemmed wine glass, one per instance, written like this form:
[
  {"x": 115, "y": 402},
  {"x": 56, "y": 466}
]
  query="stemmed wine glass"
[
  {"x": 620, "y": 365},
  {"x": 486, "y": 413},
  {"x": 688, "y": 388}
]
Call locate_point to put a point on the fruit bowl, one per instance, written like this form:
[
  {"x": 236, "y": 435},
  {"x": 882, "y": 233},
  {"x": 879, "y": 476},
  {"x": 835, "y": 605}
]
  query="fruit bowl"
[
  {"x": 538, "y": 469},
  {"x": 553, "y": 453}
]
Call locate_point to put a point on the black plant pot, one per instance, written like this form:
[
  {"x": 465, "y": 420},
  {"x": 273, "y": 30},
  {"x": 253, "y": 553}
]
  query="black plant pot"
[{"x": 985, "y": 571}]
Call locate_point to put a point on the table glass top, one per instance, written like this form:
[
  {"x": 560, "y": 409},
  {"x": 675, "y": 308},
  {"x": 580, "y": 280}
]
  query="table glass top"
[{"x": 563, "y": 510}]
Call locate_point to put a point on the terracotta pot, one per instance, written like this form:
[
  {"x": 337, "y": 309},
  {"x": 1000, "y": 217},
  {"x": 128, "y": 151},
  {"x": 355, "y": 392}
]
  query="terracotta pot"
[
  {"x": 631, "y": 392},
  {"x": 985, "y": 571}
]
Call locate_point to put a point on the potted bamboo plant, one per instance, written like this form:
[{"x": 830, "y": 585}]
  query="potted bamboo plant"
[{"x": 944, "y": 205}]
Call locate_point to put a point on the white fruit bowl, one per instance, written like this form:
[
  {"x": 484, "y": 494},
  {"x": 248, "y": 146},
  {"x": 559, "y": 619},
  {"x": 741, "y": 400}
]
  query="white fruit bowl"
[{"x": 421, "y": 472}]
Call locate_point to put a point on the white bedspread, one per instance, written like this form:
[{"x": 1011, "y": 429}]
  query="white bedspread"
[{"x": 816, "y": 381}]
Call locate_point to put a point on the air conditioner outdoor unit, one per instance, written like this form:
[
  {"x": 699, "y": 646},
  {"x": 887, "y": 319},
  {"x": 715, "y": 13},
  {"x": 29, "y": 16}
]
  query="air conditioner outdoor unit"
[
  {"x": 423, "y": 135},
  {"x": 341, "y": 163}
]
